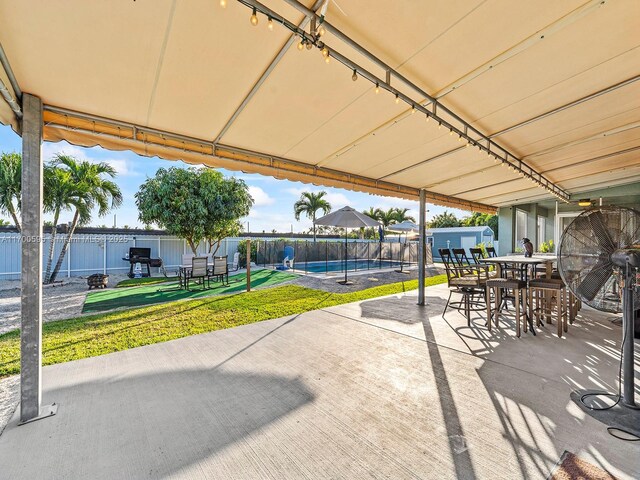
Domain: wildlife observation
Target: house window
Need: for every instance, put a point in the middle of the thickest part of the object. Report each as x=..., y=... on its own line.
x=521, y=228
x=542, y=230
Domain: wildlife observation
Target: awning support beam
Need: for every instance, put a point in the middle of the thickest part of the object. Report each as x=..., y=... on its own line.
x=137, y=138
x=422, y=249
x=31, y=273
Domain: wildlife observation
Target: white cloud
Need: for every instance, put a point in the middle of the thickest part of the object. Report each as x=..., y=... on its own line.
x=121, y=166
x=260, y=197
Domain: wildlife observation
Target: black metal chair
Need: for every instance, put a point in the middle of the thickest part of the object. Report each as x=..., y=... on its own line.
x=466, y=280
x=491, y=251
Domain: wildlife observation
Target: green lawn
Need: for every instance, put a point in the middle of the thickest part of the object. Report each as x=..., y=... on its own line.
x=103, y=300
x=136, y=282
x=83, y=337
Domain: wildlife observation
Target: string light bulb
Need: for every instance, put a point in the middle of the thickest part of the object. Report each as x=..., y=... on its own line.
x=451, y=131
x=223, y=3
x=377, y=89
x=270, y=24
x=321, y=31
x=354, y=77
x=428, y=117
x=309, y=45
x=301, y=45
x=254, y=18
x=325, y=52
x=327, y=59
x=413, y=109
x=397, y=99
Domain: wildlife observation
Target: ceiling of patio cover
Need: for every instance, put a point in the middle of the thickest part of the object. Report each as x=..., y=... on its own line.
x=185, y=67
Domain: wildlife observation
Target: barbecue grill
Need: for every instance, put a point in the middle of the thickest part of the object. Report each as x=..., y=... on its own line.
x=142, y=256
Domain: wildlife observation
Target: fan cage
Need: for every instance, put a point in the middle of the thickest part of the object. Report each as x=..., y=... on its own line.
x=584, y=255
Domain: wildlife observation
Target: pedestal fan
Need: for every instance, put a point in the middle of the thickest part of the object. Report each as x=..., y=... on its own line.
x=598, y=259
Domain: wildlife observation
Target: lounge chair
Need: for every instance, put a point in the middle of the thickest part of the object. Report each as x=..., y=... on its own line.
x=199, y=270
x=289, y=257
x=235, y=265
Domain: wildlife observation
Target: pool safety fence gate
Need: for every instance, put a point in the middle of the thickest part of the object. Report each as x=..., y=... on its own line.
x=332, y=256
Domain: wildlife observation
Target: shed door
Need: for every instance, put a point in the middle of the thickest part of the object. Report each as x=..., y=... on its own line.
x=467, y=243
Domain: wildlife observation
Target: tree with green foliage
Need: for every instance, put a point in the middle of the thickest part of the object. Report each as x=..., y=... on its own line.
x=477, y=219
x=195, y=204
x=62, y=193
x=444, y=220
x=4, y=223
x=400, y=215
x=386, y=217
x=309, y=203
x=96, y=189
x=11, y=185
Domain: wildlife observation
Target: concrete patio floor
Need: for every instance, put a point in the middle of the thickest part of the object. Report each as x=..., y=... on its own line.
x=376, y=389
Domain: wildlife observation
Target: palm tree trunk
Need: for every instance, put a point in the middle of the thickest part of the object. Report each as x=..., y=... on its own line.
x=314, y=226
x=13, y=214
x=54, y=231
x=65, y=246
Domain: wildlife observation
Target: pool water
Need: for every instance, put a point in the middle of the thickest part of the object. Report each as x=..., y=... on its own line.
x=338, y=265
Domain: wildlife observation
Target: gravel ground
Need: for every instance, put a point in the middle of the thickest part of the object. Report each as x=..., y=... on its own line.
x=361, y=281
x=63, y=300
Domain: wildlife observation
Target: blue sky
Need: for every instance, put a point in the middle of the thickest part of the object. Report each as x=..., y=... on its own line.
x=274, y=198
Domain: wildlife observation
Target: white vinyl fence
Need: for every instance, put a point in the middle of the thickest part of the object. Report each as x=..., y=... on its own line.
x=101, y=253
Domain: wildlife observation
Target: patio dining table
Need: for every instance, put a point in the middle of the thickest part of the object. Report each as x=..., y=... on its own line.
x=517, y=262
x=503, y=262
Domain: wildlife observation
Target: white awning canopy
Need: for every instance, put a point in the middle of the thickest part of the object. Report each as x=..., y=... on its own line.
x=550, y=87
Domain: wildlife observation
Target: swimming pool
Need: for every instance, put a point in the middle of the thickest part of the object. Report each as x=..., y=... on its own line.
x=338, y=265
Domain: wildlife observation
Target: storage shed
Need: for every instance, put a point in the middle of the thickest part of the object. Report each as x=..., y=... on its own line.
x=458, y=237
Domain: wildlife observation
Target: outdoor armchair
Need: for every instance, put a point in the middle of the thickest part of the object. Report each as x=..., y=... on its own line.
x=199, y=270
x=220, y=269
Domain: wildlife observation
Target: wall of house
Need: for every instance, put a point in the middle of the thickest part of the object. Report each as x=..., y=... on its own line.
x=624, y=195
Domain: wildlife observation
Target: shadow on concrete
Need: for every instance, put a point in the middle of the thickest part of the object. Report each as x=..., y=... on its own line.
x=153, y=424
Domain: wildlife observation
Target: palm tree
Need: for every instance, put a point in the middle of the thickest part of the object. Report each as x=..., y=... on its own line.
x=61, y=193
x=373, y=213
x=386, y=217
x=10, y=185
x=309, y=203
x=400, y=215
x=96, y=192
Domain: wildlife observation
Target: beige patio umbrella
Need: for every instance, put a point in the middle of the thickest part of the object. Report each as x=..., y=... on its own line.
x=346, y=218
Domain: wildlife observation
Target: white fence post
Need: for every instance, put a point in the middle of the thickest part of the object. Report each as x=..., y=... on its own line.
x=69, y=259
x=104, y=256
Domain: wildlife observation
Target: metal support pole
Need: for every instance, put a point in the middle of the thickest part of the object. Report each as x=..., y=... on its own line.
x=422, y=253
x=628, y=388
x=248, y=264
x=31, y=301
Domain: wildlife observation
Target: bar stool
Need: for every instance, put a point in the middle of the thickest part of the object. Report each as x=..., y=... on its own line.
x=574, y=303
x=497, y=284
x=543, y=292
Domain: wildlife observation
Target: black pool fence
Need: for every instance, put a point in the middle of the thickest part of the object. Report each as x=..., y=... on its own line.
x=329, y=256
